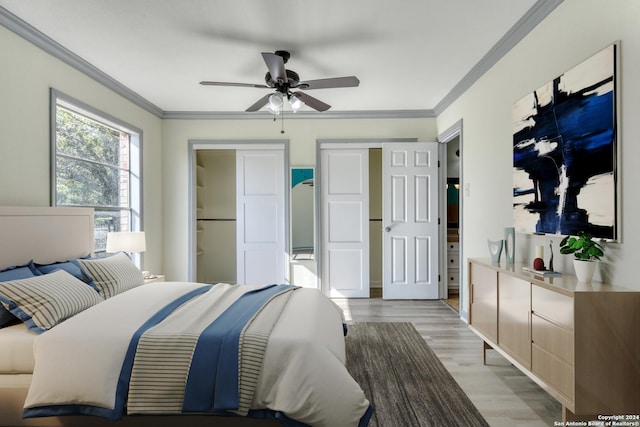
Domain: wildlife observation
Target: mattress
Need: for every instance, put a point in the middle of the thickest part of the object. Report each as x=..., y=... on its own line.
x=16, y=349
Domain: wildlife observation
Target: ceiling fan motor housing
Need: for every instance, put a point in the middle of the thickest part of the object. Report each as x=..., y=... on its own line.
x=293, y=80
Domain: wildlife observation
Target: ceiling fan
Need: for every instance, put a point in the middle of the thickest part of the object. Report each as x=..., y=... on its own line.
x=283, y=81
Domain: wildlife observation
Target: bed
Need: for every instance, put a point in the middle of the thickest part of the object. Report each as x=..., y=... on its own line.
x=104, y=348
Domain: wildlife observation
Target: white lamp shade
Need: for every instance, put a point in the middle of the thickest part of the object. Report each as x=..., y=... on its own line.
x=126, y=241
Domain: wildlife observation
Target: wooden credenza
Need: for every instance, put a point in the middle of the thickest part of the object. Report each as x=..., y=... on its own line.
x=580, y=342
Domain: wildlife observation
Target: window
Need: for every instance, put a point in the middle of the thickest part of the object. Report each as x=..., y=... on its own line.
x=96, y=163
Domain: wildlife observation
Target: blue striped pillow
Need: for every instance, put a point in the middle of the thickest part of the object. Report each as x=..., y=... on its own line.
x=68, y=266
x=42, y=302
x=112, y=275
x=14, y=273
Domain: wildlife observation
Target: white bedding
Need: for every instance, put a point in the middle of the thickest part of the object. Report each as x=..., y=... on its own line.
x=304, y=375
x=16, y=349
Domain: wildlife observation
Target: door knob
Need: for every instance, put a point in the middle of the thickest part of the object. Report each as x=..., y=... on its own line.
x=387, y=229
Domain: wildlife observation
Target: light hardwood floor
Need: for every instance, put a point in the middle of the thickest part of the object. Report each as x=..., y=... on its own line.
x=503, y=395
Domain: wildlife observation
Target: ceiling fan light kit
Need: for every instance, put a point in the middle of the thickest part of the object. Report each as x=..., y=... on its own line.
x=295, y=102
x=283, y=81
x=276, y=101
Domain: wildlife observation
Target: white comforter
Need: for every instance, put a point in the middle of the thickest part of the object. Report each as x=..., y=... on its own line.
x=79, y=361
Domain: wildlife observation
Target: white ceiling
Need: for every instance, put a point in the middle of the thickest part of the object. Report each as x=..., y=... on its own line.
x=408, y=55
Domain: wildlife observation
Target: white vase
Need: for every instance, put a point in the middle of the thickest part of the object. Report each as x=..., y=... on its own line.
x=584, y=270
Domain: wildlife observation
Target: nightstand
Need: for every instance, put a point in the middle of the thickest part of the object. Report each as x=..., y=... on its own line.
x=154, y=278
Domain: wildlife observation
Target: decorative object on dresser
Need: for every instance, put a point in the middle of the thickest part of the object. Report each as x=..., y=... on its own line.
x=538, y=268
x=509, y=244
x=578, y=341
x=495, y=249
x=586, y=252
x=538, y=261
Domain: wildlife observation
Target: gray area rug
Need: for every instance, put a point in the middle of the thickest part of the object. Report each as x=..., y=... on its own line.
x=404, y=379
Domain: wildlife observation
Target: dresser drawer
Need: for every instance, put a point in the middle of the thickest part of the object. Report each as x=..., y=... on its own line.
x=553, y=371
x=552, y=305
x=552, y=338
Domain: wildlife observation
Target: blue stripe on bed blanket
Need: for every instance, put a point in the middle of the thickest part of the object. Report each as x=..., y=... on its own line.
x=127, y=365
x=212, y=385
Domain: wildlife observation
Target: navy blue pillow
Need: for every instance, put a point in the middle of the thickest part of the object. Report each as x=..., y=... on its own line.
x=15, y=273
x=68, y=266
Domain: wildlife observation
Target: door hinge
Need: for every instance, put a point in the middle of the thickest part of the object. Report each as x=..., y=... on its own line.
x=439, y=278
x=438, y=221
x=438, y=163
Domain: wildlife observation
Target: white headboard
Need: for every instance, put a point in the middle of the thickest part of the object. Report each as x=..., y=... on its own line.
x=44, y=234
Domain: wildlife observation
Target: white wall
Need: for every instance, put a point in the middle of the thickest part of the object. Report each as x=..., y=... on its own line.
x=26, y=75
x=302, y=135
x=576, y=30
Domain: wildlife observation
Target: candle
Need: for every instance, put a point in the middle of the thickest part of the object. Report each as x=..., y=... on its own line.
x=539, y=251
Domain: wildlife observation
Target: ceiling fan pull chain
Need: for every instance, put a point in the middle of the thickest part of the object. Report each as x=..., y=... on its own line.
x=282, y=129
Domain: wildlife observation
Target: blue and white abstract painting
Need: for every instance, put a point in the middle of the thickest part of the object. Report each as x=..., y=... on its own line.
x=564, y=152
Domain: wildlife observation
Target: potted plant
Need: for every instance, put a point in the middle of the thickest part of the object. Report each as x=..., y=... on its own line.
x=585, y=251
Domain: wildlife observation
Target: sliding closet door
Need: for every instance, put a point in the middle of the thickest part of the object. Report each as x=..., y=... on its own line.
x=345, y=222
x=260, y=205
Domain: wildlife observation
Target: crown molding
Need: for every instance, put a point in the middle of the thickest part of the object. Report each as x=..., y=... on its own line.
x=308, y=115
x=536, y=14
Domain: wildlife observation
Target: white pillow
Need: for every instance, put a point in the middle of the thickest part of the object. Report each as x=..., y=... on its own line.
x=112, y=275
x=42, y=302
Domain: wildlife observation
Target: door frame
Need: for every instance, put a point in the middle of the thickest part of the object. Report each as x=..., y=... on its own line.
x=338, y=143
x=448, y=135
x=230, y=144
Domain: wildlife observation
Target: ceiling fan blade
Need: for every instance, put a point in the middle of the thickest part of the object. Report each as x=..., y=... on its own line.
x=206, y=83
x=275, y=64
x=312, y=102
x=259, y=103
x=350, y=81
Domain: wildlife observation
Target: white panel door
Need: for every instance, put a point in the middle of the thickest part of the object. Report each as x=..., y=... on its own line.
x=260, y=216
x=345, y=222
x=410, y=219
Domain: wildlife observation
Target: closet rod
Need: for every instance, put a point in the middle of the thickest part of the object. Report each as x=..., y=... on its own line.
x=216, y=219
